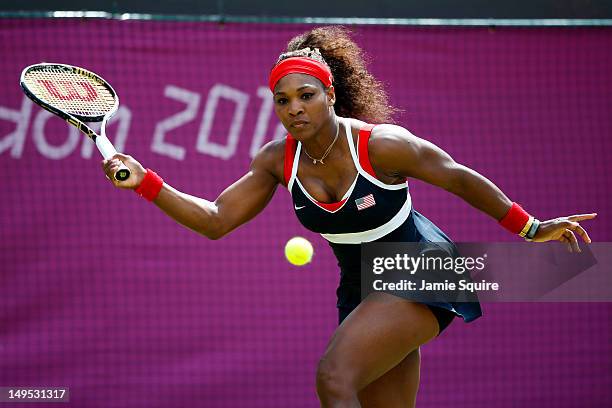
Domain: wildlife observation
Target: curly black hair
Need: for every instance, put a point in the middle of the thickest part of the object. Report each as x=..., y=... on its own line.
x=358, y=94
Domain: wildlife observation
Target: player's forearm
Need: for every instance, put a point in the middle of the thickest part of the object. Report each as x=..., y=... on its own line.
x=480, y=192
x=195, y=213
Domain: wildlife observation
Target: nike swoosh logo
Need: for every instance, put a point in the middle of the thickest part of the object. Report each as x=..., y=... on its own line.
x=298, y=208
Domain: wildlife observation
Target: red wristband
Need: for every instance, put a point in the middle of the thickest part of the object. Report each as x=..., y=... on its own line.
x=515, y=219
x=150, y=186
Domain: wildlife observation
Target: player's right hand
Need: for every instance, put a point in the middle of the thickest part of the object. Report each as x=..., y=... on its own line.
x=111, y=166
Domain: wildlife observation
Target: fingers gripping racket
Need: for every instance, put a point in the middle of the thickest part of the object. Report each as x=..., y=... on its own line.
x=77, y=96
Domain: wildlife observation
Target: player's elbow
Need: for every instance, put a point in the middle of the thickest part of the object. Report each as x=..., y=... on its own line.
x=215, y=237
x=216, y=234
x=211, y=227
x=213, y=231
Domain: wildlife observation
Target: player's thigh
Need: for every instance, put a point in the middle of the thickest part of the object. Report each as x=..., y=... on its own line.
x=376, y=337
x=397, y=388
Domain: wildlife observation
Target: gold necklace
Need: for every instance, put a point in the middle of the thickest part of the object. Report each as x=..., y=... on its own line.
x=314, y=161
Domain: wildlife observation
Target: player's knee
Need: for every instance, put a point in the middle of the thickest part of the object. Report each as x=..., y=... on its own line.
x=333, y=382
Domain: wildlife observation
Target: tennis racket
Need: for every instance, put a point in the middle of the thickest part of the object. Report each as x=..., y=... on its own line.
x=77, y=96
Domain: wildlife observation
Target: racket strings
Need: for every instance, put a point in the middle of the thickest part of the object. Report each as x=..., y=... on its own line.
x=70, y=92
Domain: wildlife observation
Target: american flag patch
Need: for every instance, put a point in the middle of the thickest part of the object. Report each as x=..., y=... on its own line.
x=365, y=202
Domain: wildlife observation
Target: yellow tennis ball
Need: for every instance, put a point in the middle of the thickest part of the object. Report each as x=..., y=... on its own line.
x=298, y=251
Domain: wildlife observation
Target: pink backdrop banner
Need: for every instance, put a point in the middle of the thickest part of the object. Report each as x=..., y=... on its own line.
x=103, y=294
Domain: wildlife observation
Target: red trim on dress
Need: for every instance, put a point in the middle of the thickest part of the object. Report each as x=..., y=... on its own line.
x=290, y=147
x=331, y=206
x=362, y=149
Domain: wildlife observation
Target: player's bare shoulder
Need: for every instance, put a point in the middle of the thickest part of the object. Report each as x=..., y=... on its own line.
x=389, y=144
x=387, y=134
x=270, y=158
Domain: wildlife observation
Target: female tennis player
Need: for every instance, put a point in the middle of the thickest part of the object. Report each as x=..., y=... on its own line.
x=347, y=179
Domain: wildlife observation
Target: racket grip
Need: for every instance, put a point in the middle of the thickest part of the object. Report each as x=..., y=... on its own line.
x=108, y=150
x=105, y=147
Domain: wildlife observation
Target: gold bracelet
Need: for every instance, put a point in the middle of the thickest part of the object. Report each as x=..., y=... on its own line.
x=526, y=227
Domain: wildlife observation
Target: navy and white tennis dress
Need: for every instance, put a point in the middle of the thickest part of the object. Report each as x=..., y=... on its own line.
x=369, y=211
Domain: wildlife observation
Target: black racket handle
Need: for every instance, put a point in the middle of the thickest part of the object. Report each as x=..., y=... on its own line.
x=122, y=174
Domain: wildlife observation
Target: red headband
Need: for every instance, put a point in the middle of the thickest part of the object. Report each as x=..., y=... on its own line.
x=300, y=65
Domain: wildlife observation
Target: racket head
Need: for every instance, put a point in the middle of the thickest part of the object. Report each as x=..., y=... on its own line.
x=69, y=91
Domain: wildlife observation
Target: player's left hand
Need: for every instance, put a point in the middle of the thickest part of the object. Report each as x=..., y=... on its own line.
x=564, y=229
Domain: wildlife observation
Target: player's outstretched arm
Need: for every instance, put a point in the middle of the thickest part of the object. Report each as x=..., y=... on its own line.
x=236, y=205
x=394, y=151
